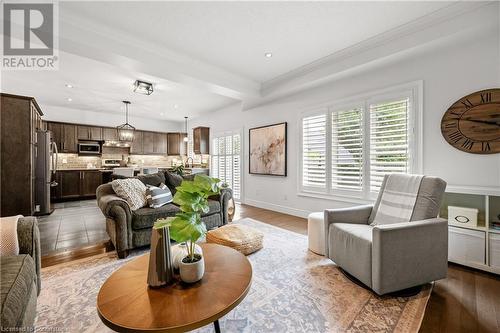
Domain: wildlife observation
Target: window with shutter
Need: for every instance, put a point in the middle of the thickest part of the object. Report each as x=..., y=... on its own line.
x=389, y=148
x=347, y=149
x=314, y=152
x=226, y=161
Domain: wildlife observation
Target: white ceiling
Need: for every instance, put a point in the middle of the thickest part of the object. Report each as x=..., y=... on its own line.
x=230, y=36
x=101, y=87
x=235, y=35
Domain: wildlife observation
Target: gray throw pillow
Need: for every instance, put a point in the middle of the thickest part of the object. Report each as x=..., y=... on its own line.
x=158, y=196
x=173, y=180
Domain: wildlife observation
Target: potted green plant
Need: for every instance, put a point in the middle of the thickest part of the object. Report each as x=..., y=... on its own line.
x=178, y=169
x=186, y=226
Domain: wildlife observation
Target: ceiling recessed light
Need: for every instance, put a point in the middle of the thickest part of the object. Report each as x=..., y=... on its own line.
x=162, y=114
x=176, y=106
x=68, y=85
x=268, y=54
x=69, y=99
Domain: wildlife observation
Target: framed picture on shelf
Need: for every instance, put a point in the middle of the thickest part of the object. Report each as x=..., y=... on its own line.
x=268, y=149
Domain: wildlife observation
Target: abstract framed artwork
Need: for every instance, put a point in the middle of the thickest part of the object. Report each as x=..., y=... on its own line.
x=268, y=150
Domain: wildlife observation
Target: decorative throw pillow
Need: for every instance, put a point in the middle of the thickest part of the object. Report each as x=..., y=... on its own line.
x=158, y=196
x=132, y=190
x=9, y=243
x=173, y=180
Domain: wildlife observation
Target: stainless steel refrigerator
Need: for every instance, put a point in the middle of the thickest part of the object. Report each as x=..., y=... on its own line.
x=46, y=166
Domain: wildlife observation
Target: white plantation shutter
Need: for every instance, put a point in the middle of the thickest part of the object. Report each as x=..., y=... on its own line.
x=314, y=151
x=226, y=161
x=347, y=150
x=388, y=140
x=236, y=166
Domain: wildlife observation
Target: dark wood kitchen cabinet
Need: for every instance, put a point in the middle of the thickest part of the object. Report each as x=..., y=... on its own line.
x=176, y=145
x=19, y=116
x=69, y=184
x=91, y=179
x=160, y=143
x=65, y=136
x=201, y=140
x=136, y=145
x=89, y=133
x=76, y=184
x=148, y=139
x=109, y=134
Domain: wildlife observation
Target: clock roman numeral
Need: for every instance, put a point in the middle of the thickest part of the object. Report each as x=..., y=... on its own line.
x=468, y=143
x=485, y=146
x=455, y=136
x=486, y=97
x=467, y=103
x=450, y=125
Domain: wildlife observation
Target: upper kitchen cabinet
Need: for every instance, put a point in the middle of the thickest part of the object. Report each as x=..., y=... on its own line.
x=148, y=139
x=57, y=130
x=175, y=144
x=64, y=135
x=136, y=145
x=68, y=139
x=109, y=134
x=89, y=133
x=160, y=143
x=201, y=140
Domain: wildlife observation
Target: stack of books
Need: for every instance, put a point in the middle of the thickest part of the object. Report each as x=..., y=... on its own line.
x=495, y=225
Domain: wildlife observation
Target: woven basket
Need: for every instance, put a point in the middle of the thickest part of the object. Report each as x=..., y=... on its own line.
x=239, y=237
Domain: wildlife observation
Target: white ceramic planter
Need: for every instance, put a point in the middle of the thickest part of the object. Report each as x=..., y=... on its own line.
x=192, y=272
x=179, y=251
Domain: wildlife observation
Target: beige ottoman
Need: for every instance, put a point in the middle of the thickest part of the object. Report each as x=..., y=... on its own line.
x=316, y=232
x=237, y=236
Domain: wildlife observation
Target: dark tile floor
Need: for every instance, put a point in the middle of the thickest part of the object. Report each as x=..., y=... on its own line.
x=72, y=224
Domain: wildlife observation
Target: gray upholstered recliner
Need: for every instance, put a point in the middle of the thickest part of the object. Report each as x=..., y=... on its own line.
x=391, y=257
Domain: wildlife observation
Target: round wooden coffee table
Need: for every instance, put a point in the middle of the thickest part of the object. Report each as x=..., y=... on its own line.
x=126, y=304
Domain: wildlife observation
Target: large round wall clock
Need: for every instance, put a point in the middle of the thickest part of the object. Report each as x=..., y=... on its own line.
x=472, y=124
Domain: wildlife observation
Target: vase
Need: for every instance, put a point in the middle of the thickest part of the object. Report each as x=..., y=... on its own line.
x=179, y=251
x=192, y=272
x=160, y=271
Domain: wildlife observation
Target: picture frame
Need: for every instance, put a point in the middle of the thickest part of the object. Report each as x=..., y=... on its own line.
x=268, y=150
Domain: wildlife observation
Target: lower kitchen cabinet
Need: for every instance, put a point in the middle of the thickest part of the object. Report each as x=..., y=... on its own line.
x=76, y=184
x=89, y=183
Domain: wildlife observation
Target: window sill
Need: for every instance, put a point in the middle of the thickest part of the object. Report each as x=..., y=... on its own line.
x=341, y=198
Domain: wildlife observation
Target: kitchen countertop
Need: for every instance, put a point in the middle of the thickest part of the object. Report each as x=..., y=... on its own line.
x=135, y=168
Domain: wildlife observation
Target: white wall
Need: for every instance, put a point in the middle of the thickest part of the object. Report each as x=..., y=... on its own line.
x=449, y=71
x=55, y=113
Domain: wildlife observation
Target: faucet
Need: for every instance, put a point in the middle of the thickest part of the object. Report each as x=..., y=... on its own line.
x=186, y=164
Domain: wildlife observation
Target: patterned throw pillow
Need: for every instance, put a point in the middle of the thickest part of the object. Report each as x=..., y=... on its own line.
x=158, y=196
x=132, y=190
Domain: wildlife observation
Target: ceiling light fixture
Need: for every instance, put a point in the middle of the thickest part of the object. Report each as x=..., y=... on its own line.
x=68, y=85
x=143, y=87
x=268, y=54
x=176, y=106
x=186, y=129
x=126, y=131
x=69, y=99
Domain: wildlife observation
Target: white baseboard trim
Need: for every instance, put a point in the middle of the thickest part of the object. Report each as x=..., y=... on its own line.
x=278, y=208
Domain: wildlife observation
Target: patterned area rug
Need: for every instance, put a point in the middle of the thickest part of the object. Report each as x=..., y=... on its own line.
x=293, y=290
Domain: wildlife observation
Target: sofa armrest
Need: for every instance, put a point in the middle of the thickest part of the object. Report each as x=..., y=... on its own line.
x=28, y=236
x=356, y=215
x=409, y=254
x=118, y=210
x=223, y=198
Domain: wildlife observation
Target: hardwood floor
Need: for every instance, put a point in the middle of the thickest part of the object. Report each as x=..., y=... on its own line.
x=467, y=301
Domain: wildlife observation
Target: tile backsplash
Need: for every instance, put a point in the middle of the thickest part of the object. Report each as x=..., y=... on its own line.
x=73, y=161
